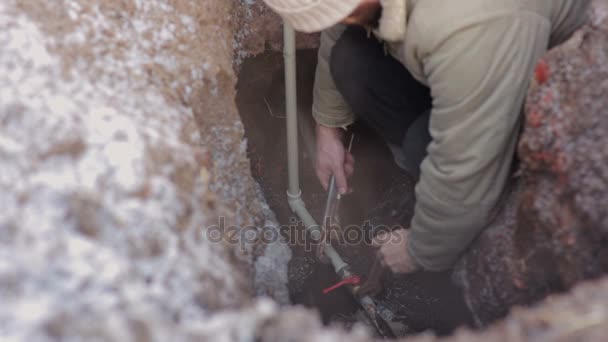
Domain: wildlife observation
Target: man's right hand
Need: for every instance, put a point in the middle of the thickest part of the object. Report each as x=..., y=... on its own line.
x=332, y=158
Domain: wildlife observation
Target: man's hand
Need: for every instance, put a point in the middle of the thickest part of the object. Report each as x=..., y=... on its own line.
x=376, y=279
x=394, y=253
x=333, y=159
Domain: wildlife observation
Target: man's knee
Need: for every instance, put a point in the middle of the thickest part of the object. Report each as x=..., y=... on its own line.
x=350, y=62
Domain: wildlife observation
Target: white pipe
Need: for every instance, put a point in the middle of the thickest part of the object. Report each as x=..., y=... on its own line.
x=298, y=206
x=294, y=193
x=291, y=108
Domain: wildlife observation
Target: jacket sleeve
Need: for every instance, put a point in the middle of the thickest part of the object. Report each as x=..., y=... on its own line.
x=329, y=108
x=479, y=76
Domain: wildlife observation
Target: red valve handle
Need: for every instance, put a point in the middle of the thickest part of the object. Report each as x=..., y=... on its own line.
x=354, y=280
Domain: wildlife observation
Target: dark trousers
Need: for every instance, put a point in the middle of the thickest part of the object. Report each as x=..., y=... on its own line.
x=382, y=93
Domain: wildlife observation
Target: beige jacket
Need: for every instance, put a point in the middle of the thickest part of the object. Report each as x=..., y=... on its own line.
x=478, y=57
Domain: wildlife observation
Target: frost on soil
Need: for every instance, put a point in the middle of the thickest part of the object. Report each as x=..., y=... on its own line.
x=107, y=185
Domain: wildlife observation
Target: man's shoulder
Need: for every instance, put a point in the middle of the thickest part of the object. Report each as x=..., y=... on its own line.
x=433, y=21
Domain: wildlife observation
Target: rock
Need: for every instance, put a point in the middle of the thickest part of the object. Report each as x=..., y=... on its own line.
x=564, y=162
x=490, y=272
x=552, y=232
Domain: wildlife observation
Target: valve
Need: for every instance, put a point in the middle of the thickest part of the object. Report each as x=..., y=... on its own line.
x=354, y=280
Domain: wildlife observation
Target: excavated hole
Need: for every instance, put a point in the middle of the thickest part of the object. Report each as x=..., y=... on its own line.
x=425, y=301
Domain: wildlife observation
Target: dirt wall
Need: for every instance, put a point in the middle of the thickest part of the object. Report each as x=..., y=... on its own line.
x=109, y=183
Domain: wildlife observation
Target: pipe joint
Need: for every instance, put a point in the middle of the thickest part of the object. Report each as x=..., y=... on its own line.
x=295, y=201
x=291, y=196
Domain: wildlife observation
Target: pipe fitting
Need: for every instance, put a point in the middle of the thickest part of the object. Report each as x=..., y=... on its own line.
x=298, y=207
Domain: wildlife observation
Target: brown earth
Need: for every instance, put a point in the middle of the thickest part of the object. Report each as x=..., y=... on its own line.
x=121, y=148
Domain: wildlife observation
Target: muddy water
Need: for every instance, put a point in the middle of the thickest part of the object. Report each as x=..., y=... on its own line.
x=421, y=301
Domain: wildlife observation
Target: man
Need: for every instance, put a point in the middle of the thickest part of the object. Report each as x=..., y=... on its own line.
x=442, y=77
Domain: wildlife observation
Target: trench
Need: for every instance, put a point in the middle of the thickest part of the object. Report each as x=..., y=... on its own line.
x=420, y=302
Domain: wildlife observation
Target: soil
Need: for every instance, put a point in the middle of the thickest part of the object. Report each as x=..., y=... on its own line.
x=422, y=301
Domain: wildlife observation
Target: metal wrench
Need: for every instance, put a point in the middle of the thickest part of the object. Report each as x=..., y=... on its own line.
x=330, y=216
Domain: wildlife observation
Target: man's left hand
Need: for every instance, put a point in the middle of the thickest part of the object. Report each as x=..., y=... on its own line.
x=394, y=253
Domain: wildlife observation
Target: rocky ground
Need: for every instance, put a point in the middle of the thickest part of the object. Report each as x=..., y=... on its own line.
x=121, y=149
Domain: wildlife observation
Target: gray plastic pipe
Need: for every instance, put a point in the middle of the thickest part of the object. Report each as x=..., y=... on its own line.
x=291, y=103
x=294, y=193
